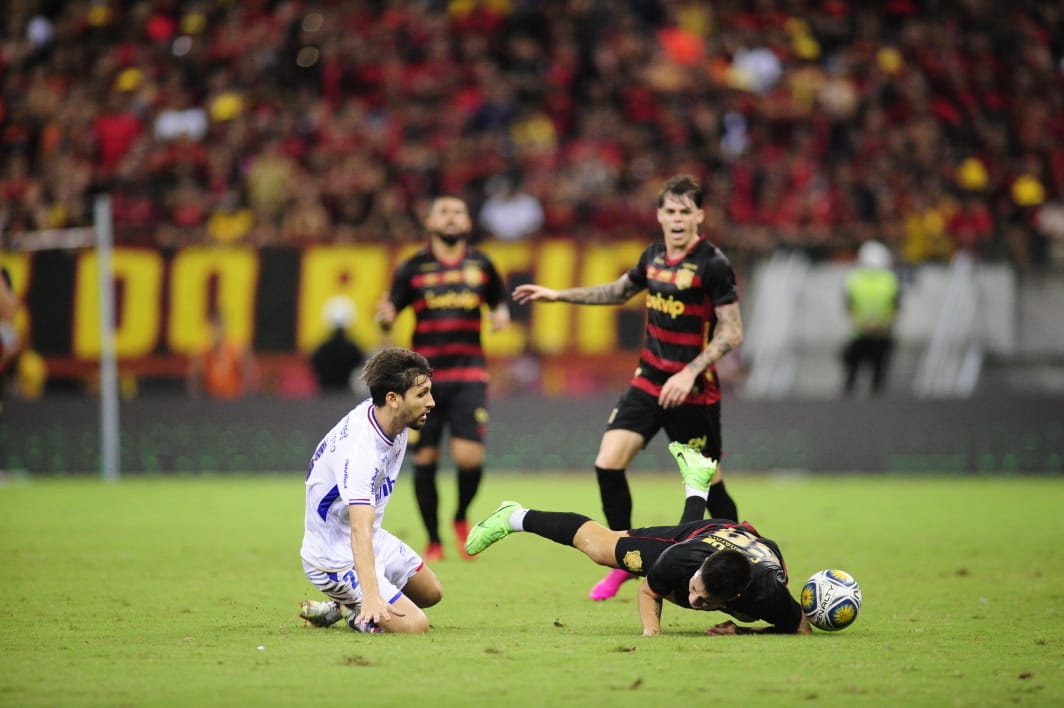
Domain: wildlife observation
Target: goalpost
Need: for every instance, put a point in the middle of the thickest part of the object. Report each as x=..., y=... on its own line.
x=110, y=452
x=101, y=236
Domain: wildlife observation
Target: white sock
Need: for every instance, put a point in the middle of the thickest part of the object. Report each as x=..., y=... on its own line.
x=517, y=519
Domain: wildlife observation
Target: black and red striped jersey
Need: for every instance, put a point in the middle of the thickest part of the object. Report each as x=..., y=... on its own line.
x=447, y=299
x=765, y=598
x=681, y=297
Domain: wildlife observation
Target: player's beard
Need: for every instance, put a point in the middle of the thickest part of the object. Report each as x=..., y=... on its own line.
x=452, y=239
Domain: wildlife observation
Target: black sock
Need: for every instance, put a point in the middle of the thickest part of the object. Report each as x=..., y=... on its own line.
x=468, y=483
x=616, y=498
x=720, y=503
x=427, y=499
x=557, y=526
x=694, y=509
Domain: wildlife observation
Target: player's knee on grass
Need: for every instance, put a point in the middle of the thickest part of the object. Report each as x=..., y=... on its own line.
x=411, y=621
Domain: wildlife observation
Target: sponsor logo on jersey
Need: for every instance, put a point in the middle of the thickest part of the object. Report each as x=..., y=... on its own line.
x=670, y=305
x=462, y=299
x=382, y=485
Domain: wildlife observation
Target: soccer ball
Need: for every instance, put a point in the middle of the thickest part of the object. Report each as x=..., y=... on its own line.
x=831, y=600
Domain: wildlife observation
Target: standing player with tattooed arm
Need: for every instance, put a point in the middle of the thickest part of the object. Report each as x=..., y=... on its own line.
x=448, y=284
x=693, y=320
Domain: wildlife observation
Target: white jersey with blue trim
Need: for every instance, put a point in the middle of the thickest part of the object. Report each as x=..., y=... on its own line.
x=356, y=463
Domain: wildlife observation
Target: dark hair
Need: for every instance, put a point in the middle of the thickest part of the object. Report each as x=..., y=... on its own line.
x=393, y=369
x=681, y=186
x=726, y=574
x=447, y=195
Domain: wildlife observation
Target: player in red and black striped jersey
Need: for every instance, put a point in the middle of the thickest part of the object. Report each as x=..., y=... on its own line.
x=700, y=564
x=693, y=320
x=448, y=284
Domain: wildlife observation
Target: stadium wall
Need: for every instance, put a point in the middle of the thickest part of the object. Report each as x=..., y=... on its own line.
x=1000, y=434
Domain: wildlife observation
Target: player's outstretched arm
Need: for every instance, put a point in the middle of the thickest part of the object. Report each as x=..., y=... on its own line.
x=729, y=628
x=530, y=292
x=649, y=610
x=615, y=293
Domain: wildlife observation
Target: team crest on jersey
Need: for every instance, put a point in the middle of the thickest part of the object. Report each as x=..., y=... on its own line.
x=472, y=275
x=684, y=278
x=633, y=561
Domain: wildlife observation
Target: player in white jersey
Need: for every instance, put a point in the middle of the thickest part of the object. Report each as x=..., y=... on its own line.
x=370, y=576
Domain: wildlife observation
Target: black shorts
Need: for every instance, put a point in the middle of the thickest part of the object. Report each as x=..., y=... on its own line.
x=461, y=407
x=639, y=550
x=696, y=425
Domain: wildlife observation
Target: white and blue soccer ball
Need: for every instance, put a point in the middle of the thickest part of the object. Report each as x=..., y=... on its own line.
x=831, y=599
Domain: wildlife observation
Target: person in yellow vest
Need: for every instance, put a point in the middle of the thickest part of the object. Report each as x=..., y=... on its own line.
x=872, y=300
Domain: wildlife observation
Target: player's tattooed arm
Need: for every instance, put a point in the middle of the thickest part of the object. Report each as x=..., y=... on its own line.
x=727, y=335
x=615, y=293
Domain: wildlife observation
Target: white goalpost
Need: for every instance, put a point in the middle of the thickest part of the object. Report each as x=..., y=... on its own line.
x=100, y=236
x=110, y=452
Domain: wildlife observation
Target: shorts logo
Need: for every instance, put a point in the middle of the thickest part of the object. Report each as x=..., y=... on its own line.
x=699, y=443
x=633, y=561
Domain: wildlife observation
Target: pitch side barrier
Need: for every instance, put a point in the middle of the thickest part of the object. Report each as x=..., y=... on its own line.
x=998, y=434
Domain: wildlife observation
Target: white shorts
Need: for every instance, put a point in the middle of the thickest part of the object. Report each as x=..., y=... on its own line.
x=396, y=564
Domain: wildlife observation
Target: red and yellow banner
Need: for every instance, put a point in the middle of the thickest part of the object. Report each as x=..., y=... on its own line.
x=274, y=298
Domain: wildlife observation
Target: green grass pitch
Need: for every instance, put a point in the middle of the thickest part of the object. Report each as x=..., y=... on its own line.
x=184, y=591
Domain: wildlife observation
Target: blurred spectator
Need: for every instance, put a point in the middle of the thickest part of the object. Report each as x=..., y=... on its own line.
x=388, y=219
x=306, y=220
x=269, y=181
x=816, y=121
x=117, y=126
x=872, y=298
x=970, y=226
x=229, y=221
x=1050, y=224
x=1028, y=242
x=186, y=210
x=9, y=344
x=510, y=214
x=180, y=119
x=224, y=369
x=336, y=360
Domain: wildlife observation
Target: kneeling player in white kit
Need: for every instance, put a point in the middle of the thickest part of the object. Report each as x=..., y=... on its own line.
x=374, y=579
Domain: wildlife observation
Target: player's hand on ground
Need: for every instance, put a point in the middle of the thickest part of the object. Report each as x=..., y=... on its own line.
x=374, y=610
x=652, y=632
x=724, y=628
x=529, y=293
x=675, y=390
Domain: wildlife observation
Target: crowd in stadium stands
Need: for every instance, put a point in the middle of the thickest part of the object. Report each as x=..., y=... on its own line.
x=815, y=124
